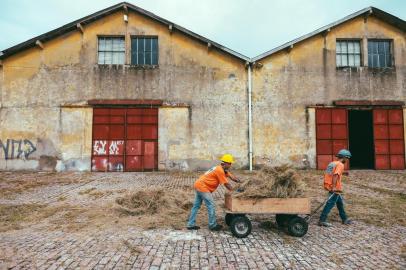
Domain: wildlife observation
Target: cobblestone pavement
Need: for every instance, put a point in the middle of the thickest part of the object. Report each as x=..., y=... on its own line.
x=361, y=246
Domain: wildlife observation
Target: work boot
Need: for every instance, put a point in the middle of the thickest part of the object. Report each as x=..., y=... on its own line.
x=217, y=228
x=193, y=227
x=325, y=224
x=348, y=222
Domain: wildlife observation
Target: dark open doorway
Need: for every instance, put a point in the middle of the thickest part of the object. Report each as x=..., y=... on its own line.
x=361, y=139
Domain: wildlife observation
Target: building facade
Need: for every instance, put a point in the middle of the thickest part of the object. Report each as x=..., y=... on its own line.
x=342, y=86
x=126, y=90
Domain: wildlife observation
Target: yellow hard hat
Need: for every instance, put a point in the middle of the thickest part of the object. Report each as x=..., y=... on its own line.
x=227, y=158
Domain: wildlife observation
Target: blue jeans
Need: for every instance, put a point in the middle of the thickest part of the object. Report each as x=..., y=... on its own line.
x=338, y=200
x=207, y=197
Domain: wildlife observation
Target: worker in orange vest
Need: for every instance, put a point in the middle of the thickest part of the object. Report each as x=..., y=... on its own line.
x=332, y=183
x=205, y=186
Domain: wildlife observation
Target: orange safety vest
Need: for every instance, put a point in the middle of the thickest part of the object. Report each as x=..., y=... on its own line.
x=333, y=168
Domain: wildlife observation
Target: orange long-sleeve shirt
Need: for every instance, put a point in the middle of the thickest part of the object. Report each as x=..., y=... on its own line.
x=209, y=181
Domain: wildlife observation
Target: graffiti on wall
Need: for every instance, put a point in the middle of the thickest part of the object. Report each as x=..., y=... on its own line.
x=17, y=149
x=114, y=147
x=108, y=155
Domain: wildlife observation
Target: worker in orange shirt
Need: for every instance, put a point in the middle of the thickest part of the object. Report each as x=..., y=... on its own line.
x=332, y=183
x=205, y=186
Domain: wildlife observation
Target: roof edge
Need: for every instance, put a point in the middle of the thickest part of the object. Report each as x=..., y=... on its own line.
x=391, y=19
x=104, y=12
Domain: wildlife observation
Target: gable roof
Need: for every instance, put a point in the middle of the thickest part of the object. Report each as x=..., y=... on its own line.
x=389, y=18
x=102, y=13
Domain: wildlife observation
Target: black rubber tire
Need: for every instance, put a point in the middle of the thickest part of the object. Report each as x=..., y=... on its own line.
x=298, y=227
x=283, y=219
x=240, y=226
x=228, y=218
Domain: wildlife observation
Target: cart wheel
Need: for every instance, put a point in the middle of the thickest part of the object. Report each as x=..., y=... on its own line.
x=228, y=218
x=283, y=219
x=240, y=226
x=298, y=227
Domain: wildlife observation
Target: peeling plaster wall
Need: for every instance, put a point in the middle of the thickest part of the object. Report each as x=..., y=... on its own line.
x=290, y=81
x=39, y=86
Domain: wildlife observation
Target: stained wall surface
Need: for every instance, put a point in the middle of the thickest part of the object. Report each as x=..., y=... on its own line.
x=46, y=123
x=293, y=80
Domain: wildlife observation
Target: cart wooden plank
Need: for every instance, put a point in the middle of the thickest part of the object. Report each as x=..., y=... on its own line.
x=267, y=205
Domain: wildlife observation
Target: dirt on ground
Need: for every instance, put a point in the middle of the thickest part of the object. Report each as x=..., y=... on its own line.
x=372, y=197
x=15, y=217
x=12, y=183
x=376, y=202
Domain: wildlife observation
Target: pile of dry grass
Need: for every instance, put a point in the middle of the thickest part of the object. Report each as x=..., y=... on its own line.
x=275, y=182
x=157, y=207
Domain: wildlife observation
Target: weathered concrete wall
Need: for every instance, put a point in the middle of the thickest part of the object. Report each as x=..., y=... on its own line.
x=290, y=81
x=39, y=85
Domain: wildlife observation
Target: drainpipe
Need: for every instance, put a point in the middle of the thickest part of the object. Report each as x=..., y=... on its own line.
x=250, y=116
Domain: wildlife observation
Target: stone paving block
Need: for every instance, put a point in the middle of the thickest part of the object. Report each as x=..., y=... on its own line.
x=361, y=246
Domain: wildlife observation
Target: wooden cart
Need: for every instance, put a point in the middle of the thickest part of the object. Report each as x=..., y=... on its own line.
x=287, y=213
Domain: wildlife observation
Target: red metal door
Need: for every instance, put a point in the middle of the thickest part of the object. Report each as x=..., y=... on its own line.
x=125, y=139
x=142, y=139
x=331, y=134
x=389, y=139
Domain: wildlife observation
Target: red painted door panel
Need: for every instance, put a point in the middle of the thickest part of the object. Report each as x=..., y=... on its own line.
x=395, y=117
x=117, y=119
x=381, y=132
x=101, y=131
x=149, y=132
x=134, y=119
x=396, y=132
x=101, y=111
x=339, y=132
x=149, y=162
x=323, y=161
x=381, y=147
x=397, y=162
x=323, y=131
x=338, y=145
x=323, y=116
x=331, y=134
x=134, y=147
x=134, y=131
x=101, y=119
x=99, y=164
x=116, y=164
x=149, y=148
x=389, y=139
x=396, y=147
x=380, y=116
x=117, y=132
x=324, y=147
x=134, y=163
x=339, y=116
x=125, y=139
x=382, y=162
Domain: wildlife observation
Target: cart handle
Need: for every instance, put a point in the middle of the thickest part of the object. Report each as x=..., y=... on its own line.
x=308, y=217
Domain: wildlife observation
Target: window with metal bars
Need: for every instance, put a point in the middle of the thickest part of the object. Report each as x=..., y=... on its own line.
x=111, y=51
x=379, y=53
x=348, y=53
x=144, y=51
